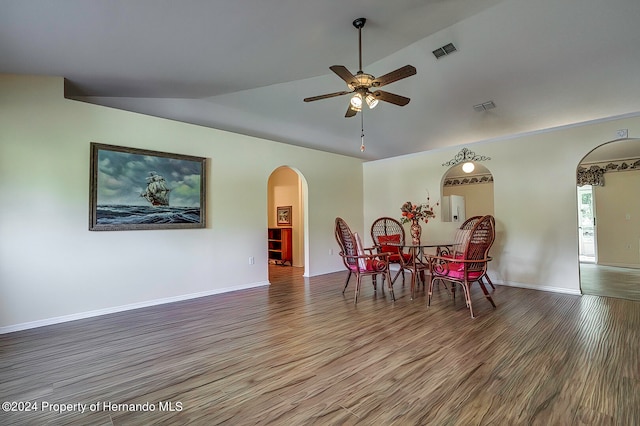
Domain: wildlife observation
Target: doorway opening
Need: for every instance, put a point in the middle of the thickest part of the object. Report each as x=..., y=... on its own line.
x=608, y=220
x=287, y=221
x=586, y=227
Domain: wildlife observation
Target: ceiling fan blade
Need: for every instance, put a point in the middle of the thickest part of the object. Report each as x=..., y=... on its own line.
x=328, y=95
x=391, y=98
x=350, y=112
x=399, y=74
x=344, y=74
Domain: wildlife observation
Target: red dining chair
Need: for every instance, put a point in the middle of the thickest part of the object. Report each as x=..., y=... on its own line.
x=462, y=236
x=388, y=235
x=358, y=262
x=470, y=265
x=460, y=241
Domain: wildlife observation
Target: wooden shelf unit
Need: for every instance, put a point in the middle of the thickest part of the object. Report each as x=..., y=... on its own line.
x=279, y=241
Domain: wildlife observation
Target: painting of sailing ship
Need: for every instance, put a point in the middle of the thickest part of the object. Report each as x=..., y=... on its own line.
x=141, y=189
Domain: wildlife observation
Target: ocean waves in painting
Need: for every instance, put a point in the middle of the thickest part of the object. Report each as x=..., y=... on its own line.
x=129, y=215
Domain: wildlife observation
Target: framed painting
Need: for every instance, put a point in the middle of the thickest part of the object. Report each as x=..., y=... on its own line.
x=283, y=214
x=140, y=189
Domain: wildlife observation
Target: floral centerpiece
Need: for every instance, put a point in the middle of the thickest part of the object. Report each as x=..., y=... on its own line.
x=413, y=213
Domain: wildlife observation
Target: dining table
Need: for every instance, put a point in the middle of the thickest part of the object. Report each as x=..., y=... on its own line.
x=418, y=260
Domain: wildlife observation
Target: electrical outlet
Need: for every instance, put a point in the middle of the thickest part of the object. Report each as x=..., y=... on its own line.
x=622, y=133
x=251, y=260
x=330, y=252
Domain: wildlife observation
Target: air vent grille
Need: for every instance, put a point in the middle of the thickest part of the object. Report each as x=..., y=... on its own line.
x=484, y=106
x=444, y=50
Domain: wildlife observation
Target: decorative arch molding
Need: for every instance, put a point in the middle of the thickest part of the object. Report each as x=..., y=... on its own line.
x=457, y=181
x=465, y=155
x=594, y=175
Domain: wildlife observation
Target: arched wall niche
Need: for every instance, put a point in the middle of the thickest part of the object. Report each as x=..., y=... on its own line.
x=466, y=194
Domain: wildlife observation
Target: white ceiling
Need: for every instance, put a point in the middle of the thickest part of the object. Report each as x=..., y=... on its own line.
x=245, y=66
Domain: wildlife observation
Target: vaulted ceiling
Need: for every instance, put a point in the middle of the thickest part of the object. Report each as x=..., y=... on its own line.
x=245, y=66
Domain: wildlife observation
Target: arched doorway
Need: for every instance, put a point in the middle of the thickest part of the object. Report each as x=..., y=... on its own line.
x=466, y=193
x=608, y=209
x=287, y=210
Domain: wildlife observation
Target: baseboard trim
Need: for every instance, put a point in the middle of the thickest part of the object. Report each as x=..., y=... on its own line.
x=619, y=265
x=132, y=306
x=541, y=288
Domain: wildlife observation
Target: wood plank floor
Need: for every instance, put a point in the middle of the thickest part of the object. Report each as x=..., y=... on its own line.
x=610, y=281
x=299, y=352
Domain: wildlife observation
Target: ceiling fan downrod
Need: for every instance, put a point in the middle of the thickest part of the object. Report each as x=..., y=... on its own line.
x=359, y=23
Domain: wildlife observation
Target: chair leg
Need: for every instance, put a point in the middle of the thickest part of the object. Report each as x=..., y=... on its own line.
x=390, y=284
x=396, y=276
x=486, y=293
x=467, y=296
x=374, y=281
x=489, y=281
x=430, y=292
x=346, y=283
x=413, y=284
x=358, y=280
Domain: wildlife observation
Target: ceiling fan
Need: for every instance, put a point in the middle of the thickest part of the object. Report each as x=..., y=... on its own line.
x=360, y=83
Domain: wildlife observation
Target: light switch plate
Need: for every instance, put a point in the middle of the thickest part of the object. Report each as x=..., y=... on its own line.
x=622, y=133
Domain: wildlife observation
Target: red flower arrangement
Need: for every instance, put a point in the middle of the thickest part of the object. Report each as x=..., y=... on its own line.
x=411, y=212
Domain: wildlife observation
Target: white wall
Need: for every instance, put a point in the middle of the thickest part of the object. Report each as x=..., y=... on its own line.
x=534, y=199
x=53, y=269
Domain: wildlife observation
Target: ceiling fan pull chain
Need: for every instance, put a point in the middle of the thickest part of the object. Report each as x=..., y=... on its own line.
x=362, y=131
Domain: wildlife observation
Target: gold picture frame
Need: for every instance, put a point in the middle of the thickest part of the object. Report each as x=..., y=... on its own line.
x=283, y=216
x=133, y=189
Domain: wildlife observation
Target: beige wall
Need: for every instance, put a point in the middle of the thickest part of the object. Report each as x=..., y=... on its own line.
x=53, y=269
x=535, y=201
x=478, y=198
x=617, y=211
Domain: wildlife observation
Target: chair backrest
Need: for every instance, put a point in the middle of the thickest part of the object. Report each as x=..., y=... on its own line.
x=462, y=235
x=386, y=227
x=346, y=241
x=480, y=241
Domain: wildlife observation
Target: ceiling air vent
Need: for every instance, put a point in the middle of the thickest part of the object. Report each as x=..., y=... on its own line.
x=444, y=50
x=484, y=106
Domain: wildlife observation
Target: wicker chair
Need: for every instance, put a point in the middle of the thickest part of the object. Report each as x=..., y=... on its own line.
x=359, y=263
x=385, y=231
x=462, y=235
x=470, y=265
x=460, y=241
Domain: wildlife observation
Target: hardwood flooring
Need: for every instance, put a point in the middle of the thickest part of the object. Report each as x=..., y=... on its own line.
x=299, y=352
x=610, y=281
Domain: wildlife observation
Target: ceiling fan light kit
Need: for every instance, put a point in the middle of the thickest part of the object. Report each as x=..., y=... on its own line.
x=356, y=101
x=360, y=83
x=371, y=101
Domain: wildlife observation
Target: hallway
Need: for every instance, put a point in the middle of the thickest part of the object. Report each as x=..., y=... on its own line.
x=610, y=281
